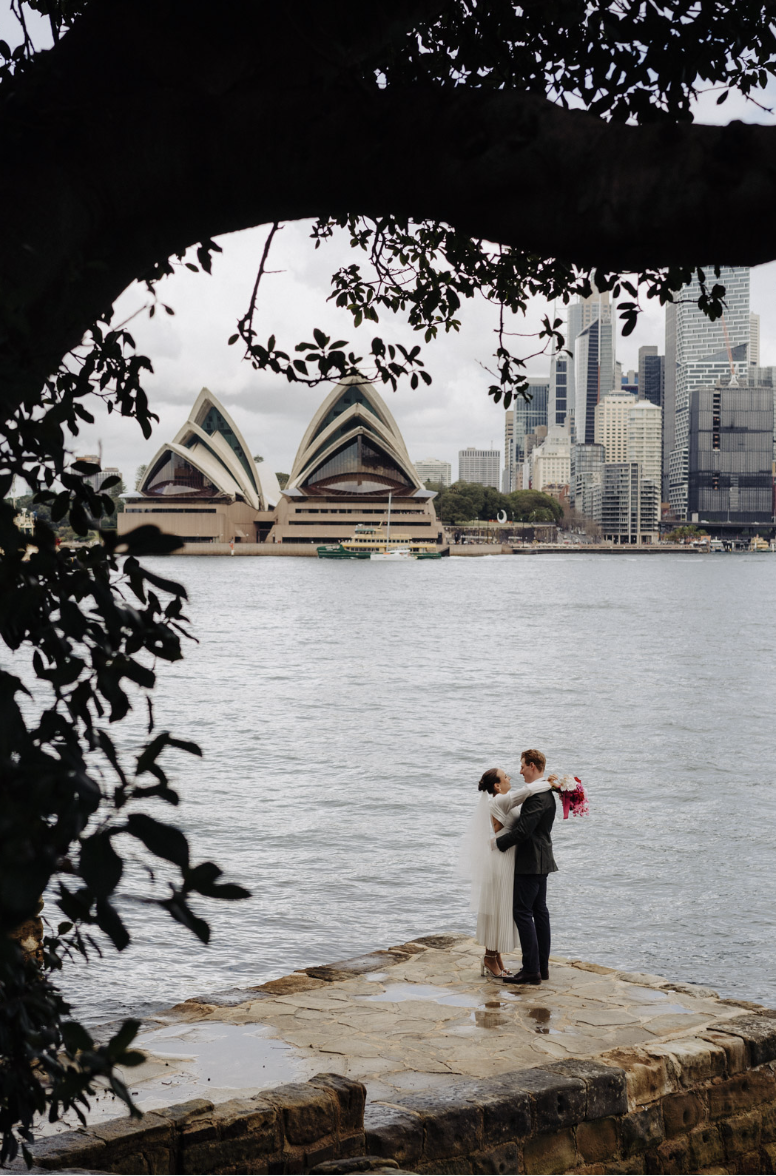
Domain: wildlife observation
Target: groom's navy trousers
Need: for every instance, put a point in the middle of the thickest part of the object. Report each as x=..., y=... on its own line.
x=532, y=920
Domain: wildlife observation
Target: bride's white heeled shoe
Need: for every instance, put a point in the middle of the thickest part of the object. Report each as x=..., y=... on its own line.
x=486, y=972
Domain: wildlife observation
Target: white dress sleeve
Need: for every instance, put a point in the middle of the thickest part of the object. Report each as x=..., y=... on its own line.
x=516, y=796
x=499, y=808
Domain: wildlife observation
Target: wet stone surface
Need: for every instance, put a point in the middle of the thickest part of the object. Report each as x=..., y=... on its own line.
x=421, y=1022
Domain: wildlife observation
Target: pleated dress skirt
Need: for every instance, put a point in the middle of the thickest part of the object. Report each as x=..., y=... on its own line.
x=496, y=929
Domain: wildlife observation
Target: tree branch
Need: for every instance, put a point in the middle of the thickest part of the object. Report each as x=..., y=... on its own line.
x=149, y=128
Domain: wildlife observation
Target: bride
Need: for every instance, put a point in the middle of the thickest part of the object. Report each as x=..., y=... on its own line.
x=492, y=873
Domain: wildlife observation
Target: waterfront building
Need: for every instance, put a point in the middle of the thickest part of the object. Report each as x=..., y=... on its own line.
x=431, y=469
x=205, y=487
x=587, y=465
x=594, y=372
x=551, y=461
x=481, y=466
x=610, y=418
x=351, y=458
x=630, y=506
x=698, y=354
x=730, y=446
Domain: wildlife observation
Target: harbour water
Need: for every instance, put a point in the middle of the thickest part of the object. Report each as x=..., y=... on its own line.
x=347, y=709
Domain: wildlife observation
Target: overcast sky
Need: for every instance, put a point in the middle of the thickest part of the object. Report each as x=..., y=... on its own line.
x=189, y=351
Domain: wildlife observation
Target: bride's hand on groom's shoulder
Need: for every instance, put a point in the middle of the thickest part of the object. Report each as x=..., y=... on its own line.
x=554, y=782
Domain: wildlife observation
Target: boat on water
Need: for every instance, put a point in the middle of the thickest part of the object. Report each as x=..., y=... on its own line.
x=377, y=542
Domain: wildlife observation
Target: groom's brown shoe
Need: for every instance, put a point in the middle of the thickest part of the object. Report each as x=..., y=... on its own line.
x=523, y=977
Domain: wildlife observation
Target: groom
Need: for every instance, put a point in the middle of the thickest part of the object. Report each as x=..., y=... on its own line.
x=533, y=862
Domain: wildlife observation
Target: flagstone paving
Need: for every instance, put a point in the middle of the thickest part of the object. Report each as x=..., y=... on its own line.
x=414, y=1017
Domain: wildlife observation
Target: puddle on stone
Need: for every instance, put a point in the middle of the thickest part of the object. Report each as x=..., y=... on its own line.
x=443, y=996
x=375, y=976
x=217, y=1054
x=542, y=1019
x=489, y=1018
x=214, y=1059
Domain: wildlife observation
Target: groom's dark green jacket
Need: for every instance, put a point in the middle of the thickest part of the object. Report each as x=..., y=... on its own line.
x=531, y=835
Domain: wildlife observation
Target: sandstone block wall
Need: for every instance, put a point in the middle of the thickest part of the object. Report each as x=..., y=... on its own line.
x=702, y=1104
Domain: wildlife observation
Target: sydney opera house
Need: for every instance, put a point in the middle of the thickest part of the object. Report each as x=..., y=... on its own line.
x=205, y=487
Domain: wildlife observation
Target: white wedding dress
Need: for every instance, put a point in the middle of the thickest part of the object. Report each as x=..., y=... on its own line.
x=492, y=872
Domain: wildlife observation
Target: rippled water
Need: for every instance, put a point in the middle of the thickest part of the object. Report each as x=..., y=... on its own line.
x=346, y=712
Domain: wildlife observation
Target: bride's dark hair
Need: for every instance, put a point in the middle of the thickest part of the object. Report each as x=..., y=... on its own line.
x=488, y=780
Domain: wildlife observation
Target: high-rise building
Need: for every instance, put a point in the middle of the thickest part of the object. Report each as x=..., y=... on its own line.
x=508, y=475
x=629, y=505
x=730, y=446
x=766, y=377
x=551, y=461
x=587, y=468
x=754, y=340
x=479, y=465
x=651, y=375
x=645, y=436
x=530, y=414
x=699, y=352
x=594, y=373
x=561, y=388
x=611, y=424
x=431, y=469
x=562, y=397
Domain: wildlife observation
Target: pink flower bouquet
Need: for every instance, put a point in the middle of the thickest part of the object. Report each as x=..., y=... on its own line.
x=572, y=796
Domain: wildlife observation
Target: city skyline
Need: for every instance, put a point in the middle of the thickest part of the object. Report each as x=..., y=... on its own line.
x=190, y=350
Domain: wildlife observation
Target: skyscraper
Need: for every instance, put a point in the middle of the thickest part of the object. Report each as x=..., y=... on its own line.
x=594, y=365
x=754, y=340
x=508, y=476
x=651, y=375
x=561, y=387
x=730, y=452
x=563, y=379
x=698, y=354
x=644, y=429
x=530, y=414
x=611, y=424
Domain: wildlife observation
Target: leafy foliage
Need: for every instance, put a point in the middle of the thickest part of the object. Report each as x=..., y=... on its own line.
x=465, y=501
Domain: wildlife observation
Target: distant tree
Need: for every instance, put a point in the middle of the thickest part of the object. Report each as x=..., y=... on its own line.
x=258, y=458
x=139, y=475
x=531, y=506
x=282, y=480
x=683, y=534
x=454, y=507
